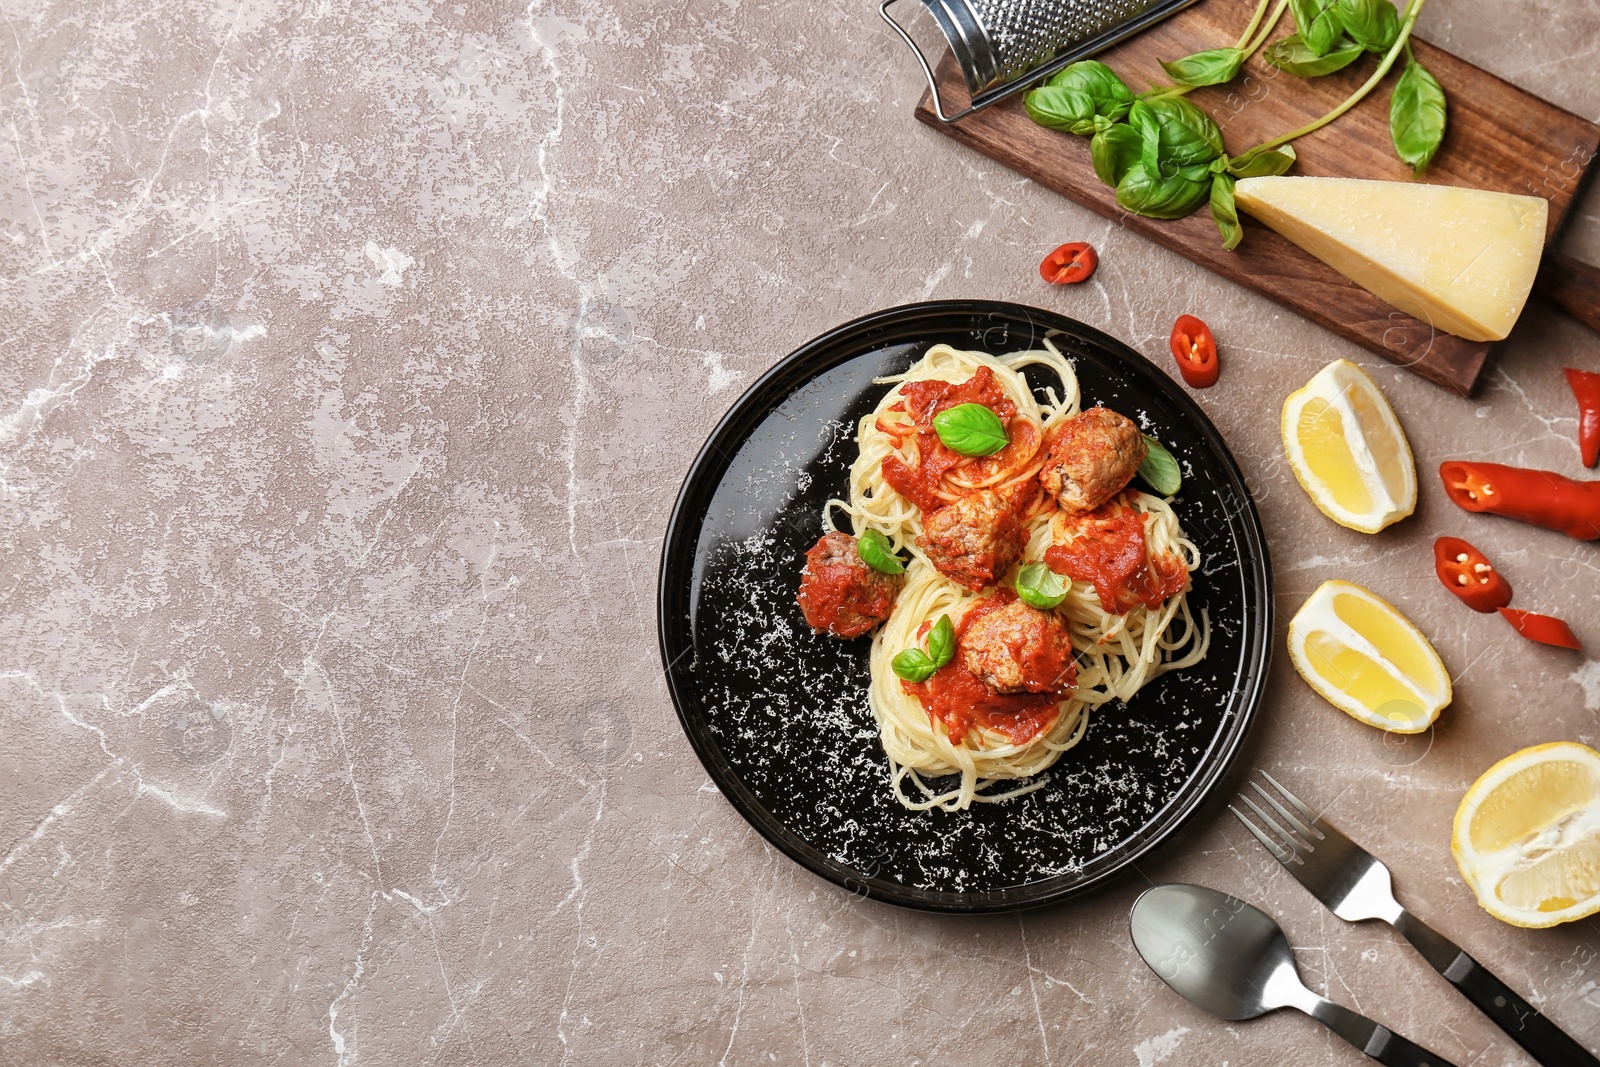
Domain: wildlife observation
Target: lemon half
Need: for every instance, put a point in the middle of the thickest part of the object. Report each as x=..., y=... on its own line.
x=1527, y=835
x=1366, y=659
x=1347, y=449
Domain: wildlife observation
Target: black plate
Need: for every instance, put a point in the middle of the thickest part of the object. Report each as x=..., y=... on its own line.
x=779, y=716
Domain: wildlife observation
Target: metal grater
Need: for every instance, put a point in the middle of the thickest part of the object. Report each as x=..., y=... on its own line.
x=1004, y=46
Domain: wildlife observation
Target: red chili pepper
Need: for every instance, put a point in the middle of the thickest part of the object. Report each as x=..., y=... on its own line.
x=1196, y=352
x=1070, y=263
x=1543, y=498
x=1468, y=574
x=1545, y=629
x=1586, y=387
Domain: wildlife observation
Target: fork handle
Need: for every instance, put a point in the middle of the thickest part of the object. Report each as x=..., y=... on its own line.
x=1547, y=1043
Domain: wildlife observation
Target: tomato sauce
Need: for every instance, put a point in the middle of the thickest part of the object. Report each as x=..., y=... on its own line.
x=925, y=399
x=957, y=699
x=1112, y=554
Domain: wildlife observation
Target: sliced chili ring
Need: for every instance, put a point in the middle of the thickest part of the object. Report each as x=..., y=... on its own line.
x=1545, y=629
x=1196, y=352
x=1468, y=574
x=1072, y=262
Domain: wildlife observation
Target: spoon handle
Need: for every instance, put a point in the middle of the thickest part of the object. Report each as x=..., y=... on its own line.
x=1379, y=1042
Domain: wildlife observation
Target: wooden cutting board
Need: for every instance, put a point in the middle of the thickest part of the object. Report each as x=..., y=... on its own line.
x=1498, y=137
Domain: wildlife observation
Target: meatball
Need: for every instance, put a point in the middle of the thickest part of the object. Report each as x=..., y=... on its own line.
x=839, y=593
x=1093, y=455
x=975, y=539
x=1019, y=649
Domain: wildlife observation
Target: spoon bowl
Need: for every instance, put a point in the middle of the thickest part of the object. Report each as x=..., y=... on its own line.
x=1232, y=959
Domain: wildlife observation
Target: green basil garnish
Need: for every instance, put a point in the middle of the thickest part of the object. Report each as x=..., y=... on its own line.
x=1291, y=54
x=1417, y=116
x=1113, y=151
x=1224, y=213
x=942, y=642
x=914, y=665
x=971, y=430
x=1160, y=469
x=1373, y=24
x=1058, y=108
x=1082, y=98
x=1041, y=587
x=1205, y=68
x=876, y=552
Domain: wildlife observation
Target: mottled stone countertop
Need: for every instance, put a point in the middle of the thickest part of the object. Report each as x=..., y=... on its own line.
x=351, y=356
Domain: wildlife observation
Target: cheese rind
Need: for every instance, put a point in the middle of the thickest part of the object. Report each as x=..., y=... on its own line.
x=1462, y=260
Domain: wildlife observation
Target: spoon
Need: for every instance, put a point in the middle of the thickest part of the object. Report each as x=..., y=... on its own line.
x=1232, y=960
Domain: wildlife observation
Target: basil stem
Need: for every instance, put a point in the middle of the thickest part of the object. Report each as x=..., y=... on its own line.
x=971, y=430
x=1416, y=115
x=1040, y=587
x=1159, y=469
x=876, y=552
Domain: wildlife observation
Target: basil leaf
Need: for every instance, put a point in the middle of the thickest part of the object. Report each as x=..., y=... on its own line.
x=1417, y=116
x=1111, y=96
x=1059, y=108
x=1144, y=191
x=1224, y=212
x=913, y=665
x=1318, y=24
x=941, y=642
x=1159, y=469
x=1205, y=68
x=1373, y=24
x=1113, y=151
x=1293, y=55
x=1272, y=162
x=876, y=552
x=1040, y=587
x=971, y=430
x=1175, y=133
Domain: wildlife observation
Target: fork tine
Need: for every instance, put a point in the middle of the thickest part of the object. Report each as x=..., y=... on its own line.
x=1277, y=850
x=1289, y=840
x=1311, y=816
x=1305, y=831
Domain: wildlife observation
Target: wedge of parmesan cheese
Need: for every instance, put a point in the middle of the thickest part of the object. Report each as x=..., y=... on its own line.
x=1461, y=259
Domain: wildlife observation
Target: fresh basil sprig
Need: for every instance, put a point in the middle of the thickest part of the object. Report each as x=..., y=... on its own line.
x=915, y=665
x=1416, y=116
x=1294, y=56
x=1040, y=587
x=1159, y=469
x=1144, y=191
x=876, y=552
x=971, y=430
x=1213, y=67
x=1175, y=132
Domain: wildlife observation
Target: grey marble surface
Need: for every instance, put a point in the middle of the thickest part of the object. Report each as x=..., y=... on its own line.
x=350, y=359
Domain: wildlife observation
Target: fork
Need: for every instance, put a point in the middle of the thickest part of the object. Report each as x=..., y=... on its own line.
x=1355, y=885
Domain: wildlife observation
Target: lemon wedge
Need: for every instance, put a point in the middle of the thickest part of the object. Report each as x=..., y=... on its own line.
x=1347, y=449
x=1527, y=835
x=1366, y=659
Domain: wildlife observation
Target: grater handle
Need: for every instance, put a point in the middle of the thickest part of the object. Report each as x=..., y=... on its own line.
x=933, y=87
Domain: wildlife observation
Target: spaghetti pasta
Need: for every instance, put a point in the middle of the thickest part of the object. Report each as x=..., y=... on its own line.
x=1117, y=653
